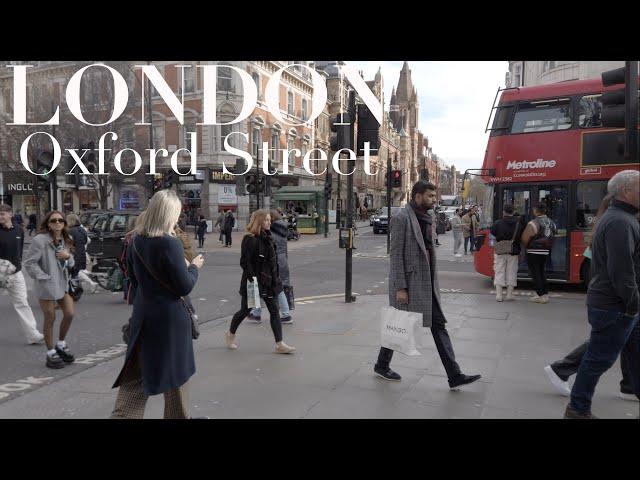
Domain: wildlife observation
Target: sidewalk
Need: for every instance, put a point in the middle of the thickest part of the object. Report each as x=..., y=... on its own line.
x=330, y=376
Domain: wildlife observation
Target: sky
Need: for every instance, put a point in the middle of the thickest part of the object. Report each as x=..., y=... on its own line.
x=455, y=102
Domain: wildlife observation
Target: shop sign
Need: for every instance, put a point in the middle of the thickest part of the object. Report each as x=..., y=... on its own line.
x=227, y=195
x=218, y=176
x=18, y=189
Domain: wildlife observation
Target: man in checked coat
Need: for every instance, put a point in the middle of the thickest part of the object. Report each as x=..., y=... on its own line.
x=413, y=281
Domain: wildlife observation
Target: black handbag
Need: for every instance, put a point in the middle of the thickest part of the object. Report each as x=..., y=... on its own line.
x=75, y=290
x=195, y=331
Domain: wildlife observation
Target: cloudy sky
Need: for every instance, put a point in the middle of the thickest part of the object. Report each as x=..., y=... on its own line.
x=455, y=101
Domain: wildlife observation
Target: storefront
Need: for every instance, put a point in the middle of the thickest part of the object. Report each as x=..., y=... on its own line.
x=79, y=200
x=224, y=196
x=19, y=194
x=130, y=198
x=306, y=202
x=190, y=193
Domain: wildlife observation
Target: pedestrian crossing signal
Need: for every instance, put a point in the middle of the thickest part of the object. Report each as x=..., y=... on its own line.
x=396, y=178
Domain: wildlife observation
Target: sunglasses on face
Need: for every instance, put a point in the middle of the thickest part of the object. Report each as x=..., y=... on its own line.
x=56, y=220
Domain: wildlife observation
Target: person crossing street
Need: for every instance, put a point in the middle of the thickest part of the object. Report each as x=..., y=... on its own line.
x=413, y=281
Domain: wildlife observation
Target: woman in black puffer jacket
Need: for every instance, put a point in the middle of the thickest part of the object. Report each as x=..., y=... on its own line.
x=258, y=259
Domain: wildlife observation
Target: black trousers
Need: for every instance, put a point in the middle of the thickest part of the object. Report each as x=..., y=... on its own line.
x=442, y=341
x=274, y=317
x=201, y=240
x=536, y=265
x=227, y=237
x=629, y=363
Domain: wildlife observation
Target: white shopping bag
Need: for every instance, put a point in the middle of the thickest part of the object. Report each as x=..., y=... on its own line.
x=253, y=294
x=400, y=330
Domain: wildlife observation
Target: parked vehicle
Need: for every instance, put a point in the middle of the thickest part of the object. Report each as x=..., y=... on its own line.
x=107, y=233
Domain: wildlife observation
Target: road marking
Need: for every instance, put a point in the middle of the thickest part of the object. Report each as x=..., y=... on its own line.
x=8, y=388
x=317, y=297
x=102, y=355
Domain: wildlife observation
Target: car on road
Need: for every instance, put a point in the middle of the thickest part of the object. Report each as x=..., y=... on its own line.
x=107, y=232
x=381, y=220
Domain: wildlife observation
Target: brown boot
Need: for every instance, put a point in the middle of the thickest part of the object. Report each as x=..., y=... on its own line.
x=573, y=414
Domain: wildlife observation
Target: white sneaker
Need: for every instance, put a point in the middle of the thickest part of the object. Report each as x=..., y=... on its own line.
x=544, y=299
x=535, y=299
x=458, y=255
x=37, y=340
x=230, y=341
x=284, y=348
x=628, y=396
x=561, y=386
x=509, y=296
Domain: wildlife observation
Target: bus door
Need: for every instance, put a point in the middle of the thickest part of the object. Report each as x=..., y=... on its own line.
x=520, y=197
x=556, y=198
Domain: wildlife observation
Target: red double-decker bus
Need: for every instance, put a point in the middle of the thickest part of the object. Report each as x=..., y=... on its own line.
x=547, y=144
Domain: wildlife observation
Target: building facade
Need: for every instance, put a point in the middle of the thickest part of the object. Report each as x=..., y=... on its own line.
x=529, y=73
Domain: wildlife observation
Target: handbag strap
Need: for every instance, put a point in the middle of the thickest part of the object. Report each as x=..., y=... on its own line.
x=153, y=275
x=515, y=231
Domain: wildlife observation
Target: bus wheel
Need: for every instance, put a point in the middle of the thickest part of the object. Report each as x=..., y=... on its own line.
x=585, y=272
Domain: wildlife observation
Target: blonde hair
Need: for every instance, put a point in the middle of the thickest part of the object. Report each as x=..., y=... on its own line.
x=161, y=215
x=256, y=221
x=72, y=220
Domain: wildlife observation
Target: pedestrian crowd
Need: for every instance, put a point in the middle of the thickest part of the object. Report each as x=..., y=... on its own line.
x=161, y=270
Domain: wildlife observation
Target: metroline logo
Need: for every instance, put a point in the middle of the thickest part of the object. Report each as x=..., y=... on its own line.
x=539, y=163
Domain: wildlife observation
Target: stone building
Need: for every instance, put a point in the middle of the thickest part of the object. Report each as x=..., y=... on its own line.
x=528, y=73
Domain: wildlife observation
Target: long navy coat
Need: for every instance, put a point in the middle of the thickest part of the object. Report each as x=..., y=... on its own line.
x=160, y=323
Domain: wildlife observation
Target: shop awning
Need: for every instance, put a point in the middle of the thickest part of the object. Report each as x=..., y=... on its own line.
x=294, y=196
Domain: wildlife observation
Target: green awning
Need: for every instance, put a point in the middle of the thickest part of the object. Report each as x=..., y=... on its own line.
x=294, y=196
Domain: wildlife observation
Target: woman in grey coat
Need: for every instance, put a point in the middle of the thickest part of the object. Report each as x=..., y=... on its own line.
x=48, y=262
x=279, y=231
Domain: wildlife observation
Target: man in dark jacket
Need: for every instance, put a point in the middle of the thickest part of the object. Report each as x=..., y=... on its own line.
x=613, y=299
x=11, y=276
x=413, y=281
x=505, y=265
x=229, y=222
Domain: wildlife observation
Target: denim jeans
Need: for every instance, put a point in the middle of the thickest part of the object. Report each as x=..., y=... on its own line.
x=282, y=304
x=610, y=330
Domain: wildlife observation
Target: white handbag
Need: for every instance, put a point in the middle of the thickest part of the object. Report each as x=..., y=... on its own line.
x=401, y=330
x=6, y=270
x=253, y=294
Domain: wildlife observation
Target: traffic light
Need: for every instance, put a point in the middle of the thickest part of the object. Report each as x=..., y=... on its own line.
x=251, y=184
x=620, y=107
x=466, y=186
x=342, y=126
x=328, y=186
x=613, y=102
x=368, y=128
x=396, y=178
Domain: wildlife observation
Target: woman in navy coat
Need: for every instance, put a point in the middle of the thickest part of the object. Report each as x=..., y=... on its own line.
x=160, y=355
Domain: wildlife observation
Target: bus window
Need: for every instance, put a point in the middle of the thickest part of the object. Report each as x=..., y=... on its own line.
x=542, y=116
x=589, y=196
x=502, y=120
x=589, y=111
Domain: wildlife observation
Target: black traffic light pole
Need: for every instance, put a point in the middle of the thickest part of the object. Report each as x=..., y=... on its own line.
x=631, y=110
x=327, y=196
x=257, y=186
x=348, y=296
x=388, y=202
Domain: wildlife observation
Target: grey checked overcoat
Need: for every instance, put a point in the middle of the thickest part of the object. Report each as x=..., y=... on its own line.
x=410, y=267
x=51, y=279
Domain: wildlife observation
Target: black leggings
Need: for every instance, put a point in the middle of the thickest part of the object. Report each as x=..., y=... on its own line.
x=274, y=317
x=537, y=265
